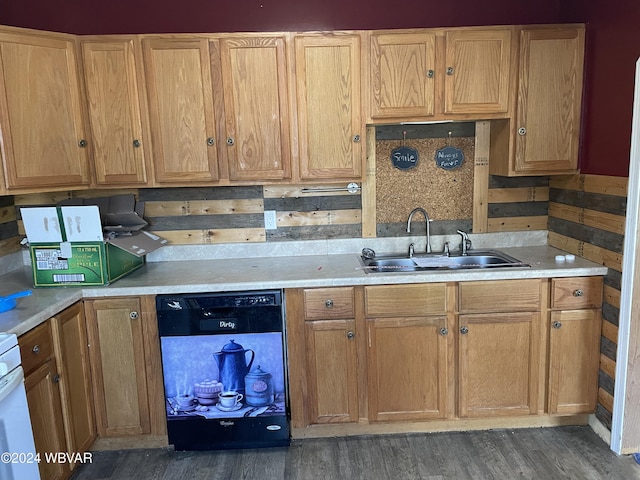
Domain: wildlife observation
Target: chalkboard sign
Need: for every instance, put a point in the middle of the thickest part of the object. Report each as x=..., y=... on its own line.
x=404, y=158
x=449, y=158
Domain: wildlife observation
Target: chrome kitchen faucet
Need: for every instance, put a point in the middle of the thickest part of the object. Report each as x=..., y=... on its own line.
x=427, y=220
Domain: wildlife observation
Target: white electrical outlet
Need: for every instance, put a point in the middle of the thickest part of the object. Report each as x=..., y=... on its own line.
x=270, y=220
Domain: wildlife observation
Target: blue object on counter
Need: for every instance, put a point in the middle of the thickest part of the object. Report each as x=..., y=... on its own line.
x=9, y=302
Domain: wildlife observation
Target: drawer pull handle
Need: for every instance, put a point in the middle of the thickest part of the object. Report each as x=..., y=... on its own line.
x=444, y=331
x=556, y=324
x=577, y=293
x=328, y=303
x=133, y=315
x=56, y=378
x=464, y=330
x=36, y=349
x=350, y=335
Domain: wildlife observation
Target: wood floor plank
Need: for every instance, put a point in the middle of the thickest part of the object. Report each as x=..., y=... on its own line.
x=572, y=453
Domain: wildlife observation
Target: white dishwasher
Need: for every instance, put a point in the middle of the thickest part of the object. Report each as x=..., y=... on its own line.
x=18, y=459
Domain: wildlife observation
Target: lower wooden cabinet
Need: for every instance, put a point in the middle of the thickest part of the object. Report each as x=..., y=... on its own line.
x=125, y=366
x=498, y=364
x=408, y=368
x=408, y=347
x=575, y=324
x=443, y=351
x=71, y=351
x=573, y=361
x=42, y=384
x=331, y=360
x=332, y=371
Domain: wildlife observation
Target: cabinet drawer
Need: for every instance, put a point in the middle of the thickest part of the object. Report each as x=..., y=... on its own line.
x=323, y=303
x=405, y=300
x=36, y=347
x=500, y=296
x=576, y=293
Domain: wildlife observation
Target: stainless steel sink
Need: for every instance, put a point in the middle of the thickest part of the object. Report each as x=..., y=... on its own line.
x=419, y=263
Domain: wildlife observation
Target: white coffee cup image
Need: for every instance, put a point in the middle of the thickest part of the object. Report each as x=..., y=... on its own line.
x=230, y=399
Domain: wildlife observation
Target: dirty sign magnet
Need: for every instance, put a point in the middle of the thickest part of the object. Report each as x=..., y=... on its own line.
x=449, y=158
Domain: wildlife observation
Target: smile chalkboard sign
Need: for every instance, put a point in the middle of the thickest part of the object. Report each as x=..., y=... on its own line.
x=404, y=158
x=449, y=158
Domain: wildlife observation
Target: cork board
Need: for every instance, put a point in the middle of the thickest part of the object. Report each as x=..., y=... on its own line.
x=444, y=194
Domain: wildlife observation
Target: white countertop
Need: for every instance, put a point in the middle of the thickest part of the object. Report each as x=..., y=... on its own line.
x=301, y=271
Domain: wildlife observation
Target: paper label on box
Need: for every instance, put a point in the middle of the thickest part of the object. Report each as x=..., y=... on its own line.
x=65, y=250
x=50, y=259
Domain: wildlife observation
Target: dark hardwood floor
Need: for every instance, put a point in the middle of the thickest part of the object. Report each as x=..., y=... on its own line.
x=575, y=453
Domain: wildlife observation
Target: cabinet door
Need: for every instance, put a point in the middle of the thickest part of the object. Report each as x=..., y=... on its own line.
x=477, y=75
x=332, y=371
x=71, y=348
x=114, y=111
x=256, y=102
x=40, y=113
x=43, y=397
x=498, y=371
x=549, y=100
x=118, y=366
x=408, y=368
x=573, y=361
x=330, y=126
x=402, y=71
x=181, y=111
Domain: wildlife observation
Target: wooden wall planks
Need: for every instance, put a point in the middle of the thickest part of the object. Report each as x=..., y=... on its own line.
x=587, y=218
x=9, y=239
x=206, y=215
x=517, y=203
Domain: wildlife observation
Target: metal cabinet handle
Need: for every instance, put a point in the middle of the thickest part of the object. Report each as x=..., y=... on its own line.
x=350, y=335
x=578, y=293
x=36, y=349
x=356, y=138
x=82, y=143
x=430, y=73
x=133, y=315
x=522, y=131
x=56, y=378
x=556, y=324
x=444, y=331
x=328, y=303
x=450, y=70
x=230, y=141
x=210, y=141
x=136, y=143
x=464, y=330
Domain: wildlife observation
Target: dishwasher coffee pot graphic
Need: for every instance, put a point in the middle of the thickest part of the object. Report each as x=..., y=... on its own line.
x=233, y=366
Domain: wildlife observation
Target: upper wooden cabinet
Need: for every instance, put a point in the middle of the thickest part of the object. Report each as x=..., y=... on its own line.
x=256, y=104
x=477, y=73
x=433, y=73
x=43, y=135
x=543, y=138
x=402, y=74
x=113, y=102
x=330, y=126
x=181, y=109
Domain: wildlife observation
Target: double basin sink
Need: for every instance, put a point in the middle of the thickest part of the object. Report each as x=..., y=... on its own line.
x=473, y=259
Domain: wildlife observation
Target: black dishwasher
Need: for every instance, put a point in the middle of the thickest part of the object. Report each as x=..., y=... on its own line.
x=224, y=369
